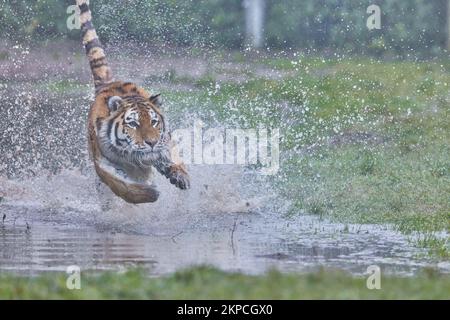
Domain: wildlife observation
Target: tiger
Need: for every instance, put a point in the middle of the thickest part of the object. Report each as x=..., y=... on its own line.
x=128, y=134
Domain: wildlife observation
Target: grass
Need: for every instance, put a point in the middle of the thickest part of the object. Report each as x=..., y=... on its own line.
x=362, y=141
x=209, y=283
x=63, y=86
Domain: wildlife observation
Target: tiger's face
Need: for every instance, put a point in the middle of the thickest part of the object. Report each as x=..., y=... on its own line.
x=141, y=126
x=135, y=130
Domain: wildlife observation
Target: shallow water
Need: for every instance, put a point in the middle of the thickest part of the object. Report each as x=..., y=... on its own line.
x=250, y=243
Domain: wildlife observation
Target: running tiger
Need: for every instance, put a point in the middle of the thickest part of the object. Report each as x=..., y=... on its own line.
x=127, y=132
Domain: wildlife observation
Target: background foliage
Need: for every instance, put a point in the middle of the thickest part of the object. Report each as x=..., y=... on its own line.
x=408, y=25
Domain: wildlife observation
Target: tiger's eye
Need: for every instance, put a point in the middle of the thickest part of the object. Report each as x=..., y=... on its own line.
x=133, y=124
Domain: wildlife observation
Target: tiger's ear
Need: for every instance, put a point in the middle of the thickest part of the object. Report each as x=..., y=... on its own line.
x=114, y=103
x=156, y=100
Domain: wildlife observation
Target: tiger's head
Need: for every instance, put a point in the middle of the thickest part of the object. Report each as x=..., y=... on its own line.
x=135, y=131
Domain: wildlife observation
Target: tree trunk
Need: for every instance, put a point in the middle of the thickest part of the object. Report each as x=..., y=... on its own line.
x=254, y=22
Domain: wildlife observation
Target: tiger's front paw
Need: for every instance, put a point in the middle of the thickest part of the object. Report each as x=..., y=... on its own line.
x=179, y=177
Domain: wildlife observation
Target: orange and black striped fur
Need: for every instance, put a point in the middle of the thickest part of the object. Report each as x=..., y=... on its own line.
x=128, y=133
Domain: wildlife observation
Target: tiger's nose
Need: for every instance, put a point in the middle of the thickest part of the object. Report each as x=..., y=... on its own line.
x=150, y=143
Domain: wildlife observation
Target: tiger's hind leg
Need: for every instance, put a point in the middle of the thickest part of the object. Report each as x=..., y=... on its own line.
x=126, y=188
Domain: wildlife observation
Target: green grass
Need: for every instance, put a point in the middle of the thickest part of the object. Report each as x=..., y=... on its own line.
x=363, y=141
x=209, y=283
x=61, y=86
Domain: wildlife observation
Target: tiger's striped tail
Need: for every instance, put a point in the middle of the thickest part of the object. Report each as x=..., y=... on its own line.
x=94, y=50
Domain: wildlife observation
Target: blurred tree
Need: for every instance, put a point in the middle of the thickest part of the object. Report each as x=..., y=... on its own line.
x=408, y=26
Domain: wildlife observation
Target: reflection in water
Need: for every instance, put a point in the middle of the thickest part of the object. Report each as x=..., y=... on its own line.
x=245, y=242
x=48, y=248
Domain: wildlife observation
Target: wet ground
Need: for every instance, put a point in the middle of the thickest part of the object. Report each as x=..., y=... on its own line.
x=250, y=243
x=52, y=222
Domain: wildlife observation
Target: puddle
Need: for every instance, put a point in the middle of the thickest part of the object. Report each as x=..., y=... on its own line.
x=54, y=221
x=249, y=243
